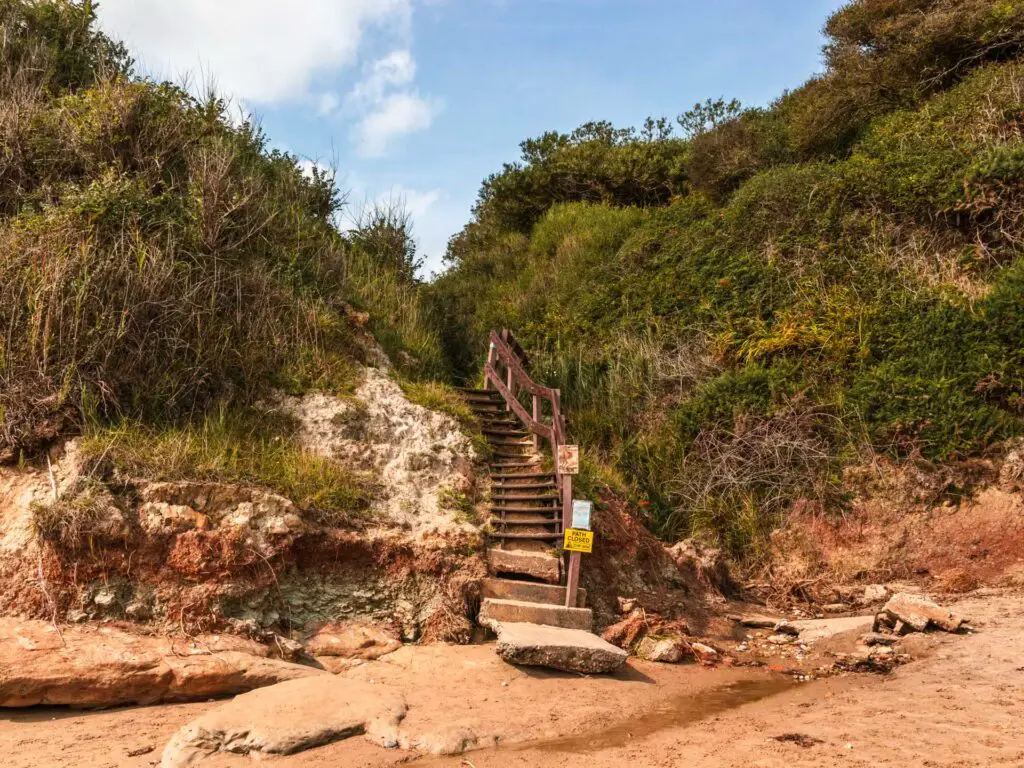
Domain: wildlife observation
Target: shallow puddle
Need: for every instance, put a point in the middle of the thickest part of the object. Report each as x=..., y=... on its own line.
x=679, y=710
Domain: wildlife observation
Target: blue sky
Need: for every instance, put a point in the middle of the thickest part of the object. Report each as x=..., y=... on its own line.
x=421, y=99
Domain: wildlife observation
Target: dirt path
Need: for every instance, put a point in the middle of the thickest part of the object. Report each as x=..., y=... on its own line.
x=959, y=705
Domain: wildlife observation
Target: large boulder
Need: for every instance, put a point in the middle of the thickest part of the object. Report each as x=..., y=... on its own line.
x=106, y=666
x=568, y=650
x=290, y=717
x=919, y=614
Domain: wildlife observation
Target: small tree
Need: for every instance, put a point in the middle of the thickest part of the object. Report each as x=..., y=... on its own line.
x=703, y=118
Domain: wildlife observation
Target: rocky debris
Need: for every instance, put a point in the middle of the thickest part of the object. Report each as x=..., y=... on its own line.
x=813, y=630
x=781, y=639
x=709, y=564
x=835, y=608
x=919, y=614
x=568, y=650
x=705, y=654
x=874, y=593
x=640, y=624
x=800, y=739
x=666, y=650
x=785, y=628
x=86, y=667
x=454, y=740
x=755, y=621
x=877, y=638
x=351, y=640
x=290, y=717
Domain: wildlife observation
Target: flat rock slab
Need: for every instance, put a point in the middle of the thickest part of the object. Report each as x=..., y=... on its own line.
x=813, y=630
x=103, y=666
x=568, y=650
x=920, y=614
x=290, y=717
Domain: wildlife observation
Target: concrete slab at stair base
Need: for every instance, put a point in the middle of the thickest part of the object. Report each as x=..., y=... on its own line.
x=568, y=650
x=530, y=592
x=537, y=565
x=494, y=611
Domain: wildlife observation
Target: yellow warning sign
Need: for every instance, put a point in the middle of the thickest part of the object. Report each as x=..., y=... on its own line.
x=577, y=540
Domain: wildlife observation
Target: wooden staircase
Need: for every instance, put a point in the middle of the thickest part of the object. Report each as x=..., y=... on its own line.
x=529, y=502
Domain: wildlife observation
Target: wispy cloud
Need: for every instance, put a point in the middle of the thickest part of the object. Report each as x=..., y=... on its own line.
x=388, y=105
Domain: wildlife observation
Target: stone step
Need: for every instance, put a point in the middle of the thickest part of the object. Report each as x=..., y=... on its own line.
x=545, y=566
x=529, y=592
x=494, y=610
x=567, y=650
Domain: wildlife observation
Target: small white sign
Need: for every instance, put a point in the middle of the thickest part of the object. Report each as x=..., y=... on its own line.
x=581, y=514
x=568, y=459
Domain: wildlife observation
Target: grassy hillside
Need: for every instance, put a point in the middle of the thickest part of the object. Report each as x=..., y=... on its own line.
x=161, y=263
x=738, y=303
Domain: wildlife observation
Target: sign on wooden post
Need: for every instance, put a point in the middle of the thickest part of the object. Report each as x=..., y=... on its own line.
x=568, y=459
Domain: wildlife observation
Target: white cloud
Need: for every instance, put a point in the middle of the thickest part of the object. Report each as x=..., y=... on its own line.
x=393, y=117
x=262, y=51
x=326, y=103
x=394, y=70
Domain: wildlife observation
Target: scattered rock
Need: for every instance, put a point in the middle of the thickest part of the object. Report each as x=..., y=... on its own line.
x=876, y=638
x=667, y=650
x=88, y=667
x=800, y=739
x=627, y=604
x=450, y=741
x=705, y=653
x=568, y=650
x=920, y=614
x=781, y=639
x=812, y=630
x=288, y=718
x=351, y=640
x=883, y=621
x=755, y=622
x=835, y=608
x=140, y=751
x=875, y=593
x=785, y=628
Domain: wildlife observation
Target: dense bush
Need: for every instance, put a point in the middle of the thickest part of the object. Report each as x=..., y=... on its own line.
x=837, y=273
x=159, y=259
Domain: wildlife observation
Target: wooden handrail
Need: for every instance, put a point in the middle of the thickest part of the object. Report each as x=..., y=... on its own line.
x=506, y=353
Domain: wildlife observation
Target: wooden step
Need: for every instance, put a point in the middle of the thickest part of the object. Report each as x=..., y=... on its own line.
x=525, y=497
x=526, y=536
x=521, y=475
x=510, y=464
x=527, y=510
x=511, y=442
x=507, y=453
x=472, y=391
x=499, y=433
x=502, y=486
x=525, y=521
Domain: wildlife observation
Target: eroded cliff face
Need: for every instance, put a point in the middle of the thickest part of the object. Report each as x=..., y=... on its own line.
x=200, y=556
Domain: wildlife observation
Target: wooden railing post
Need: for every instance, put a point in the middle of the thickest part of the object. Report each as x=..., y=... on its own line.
x=536, y=417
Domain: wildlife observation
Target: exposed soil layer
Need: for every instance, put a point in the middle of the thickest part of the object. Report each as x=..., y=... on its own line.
x=958, y=703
